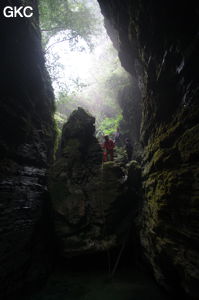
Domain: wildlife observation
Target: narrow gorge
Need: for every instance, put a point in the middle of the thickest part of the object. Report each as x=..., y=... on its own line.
x=67, y=215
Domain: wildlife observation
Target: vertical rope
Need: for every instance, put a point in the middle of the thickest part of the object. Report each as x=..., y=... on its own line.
x=104, y=223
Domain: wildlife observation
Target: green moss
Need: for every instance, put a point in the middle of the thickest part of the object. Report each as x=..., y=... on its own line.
x=57, y=139
x=189, y=143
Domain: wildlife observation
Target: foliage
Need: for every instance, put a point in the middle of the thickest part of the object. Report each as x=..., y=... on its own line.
x=57, y=138
x=60, y=119
x=70, y=22
x=65, y=104
x=75, y=21
x=99, y=96
x=71, y=18
x=108, y=126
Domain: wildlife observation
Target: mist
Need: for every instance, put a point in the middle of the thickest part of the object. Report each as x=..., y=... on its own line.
x=86, y=72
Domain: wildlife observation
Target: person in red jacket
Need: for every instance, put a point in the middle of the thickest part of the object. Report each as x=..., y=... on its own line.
x=108, y=148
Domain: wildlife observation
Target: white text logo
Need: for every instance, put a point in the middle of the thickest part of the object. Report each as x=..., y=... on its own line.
x=13, y=12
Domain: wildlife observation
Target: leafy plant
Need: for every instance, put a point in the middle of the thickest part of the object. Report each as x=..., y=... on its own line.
x=67, y=20
x=74, y=21
x=108, y=126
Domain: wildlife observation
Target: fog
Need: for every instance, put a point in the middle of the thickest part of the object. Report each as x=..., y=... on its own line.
x=86, y=72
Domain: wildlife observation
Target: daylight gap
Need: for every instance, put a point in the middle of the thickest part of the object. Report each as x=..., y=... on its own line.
x=83, y=64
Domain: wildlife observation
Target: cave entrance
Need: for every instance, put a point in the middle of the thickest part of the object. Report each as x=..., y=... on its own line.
x=85, y=69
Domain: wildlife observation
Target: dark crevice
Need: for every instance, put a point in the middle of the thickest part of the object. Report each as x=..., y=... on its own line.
x=67, y=223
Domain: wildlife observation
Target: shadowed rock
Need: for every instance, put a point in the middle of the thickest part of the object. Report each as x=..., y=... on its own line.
x=26, y=148
x=163, y=59
x=88, y=197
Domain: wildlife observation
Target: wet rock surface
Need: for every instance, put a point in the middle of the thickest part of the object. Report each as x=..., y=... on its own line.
x=159, y=49
x=26, y=147
x=170, y=213
x=158, y=45
x=89, y=199
x=129, y=99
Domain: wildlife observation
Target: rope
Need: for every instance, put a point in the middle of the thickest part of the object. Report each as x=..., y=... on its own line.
x=118, y=257
x=104, y=223
x=111, y=274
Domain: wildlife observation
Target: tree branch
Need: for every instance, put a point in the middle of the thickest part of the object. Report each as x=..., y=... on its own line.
x=52, y=29
x=61, y=41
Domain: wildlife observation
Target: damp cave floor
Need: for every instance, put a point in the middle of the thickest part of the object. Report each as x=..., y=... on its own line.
x=127, y=284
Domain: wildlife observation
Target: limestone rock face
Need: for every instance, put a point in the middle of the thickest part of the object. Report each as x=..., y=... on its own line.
x=129, y=99
x=88, y=198
x=26, y=146
x=160, y=50
x=170, y=214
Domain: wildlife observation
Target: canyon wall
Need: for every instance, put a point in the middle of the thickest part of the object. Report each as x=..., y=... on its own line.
x=26, y=146
x=158, y=44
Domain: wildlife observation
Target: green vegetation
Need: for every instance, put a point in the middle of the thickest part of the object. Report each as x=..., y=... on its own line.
x=99, y=93
x=109, y=125
x=72, y=18
x=75, y=25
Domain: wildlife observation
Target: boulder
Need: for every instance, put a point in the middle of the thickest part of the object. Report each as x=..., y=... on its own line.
x=88, y=197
